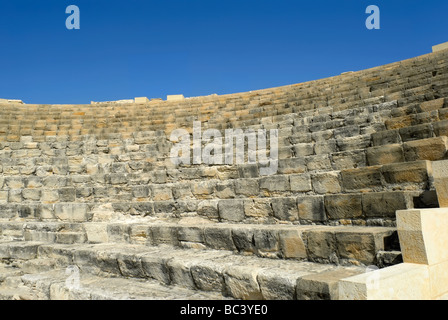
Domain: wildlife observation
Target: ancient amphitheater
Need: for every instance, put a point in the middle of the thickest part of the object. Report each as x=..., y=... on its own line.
x=92, y=205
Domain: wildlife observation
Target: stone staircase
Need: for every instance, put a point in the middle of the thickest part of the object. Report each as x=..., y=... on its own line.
x=92, y=207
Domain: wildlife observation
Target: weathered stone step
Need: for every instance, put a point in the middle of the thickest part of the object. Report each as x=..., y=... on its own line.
x=70, y=284
x=343, y=244
x=237, y=276
x=293, y=178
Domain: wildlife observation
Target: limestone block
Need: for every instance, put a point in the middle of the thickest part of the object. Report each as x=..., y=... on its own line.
x=203, y=189
x=443, y=115
x=164, y=234
x=292, y=244
x=130, y=265
x=165, y=207
x=323, y=285
x=161, y=193
x=190, y=233
x=3, y=196
x=349, y=159
x=226, y=190
x=247, y=187
x=361, y=178
x=356, y=246
x=15, y=183
x=208, y=208
x=386, y=137
x=356, y=142
x=266, y=242
x=325, y=147
x=241, y=283
x=303, y=149
x=243, y=240
x=300, y=182
x=31, y=194
x=291, y=165
x=73, y=212
x=231, y=210
x=47, y=211
x=407, y=172
x=318, y=162
x=385, y=204
x=431, y=105
x=140, y=234
x=258, y=208
x=311, y=208
x=54, y=182
x=67, y=194
x=406, y=281
x=327, y=182
x=418, y=132
x=118, y=178
x=180, y=272
x=140, y=191
x=320, y=245
x=440, y=47
x=438, y=275
x=440, y=175
x=274, y=183
x=276, y=285
x=441, y=127
x=155, y=268
x=392, y=153
x=248, y=170
x=32, y=182
x=208, y=276
x=432, y=149
x=285, y=209
x=15, y=195
x=219, y=238
x=423, y=236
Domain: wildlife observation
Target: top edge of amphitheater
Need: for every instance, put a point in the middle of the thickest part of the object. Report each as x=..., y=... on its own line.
x=179, y=98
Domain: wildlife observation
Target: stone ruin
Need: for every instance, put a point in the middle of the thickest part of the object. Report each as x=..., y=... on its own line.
x=92, y=207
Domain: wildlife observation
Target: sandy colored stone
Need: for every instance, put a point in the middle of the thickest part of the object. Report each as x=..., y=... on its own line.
x=440, y=175
x=423, y=236
x=406, y=281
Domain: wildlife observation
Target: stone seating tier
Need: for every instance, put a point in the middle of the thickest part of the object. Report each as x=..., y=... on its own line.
x=92, y=188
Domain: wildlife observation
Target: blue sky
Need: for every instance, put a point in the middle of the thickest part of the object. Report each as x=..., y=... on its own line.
x=127, y=49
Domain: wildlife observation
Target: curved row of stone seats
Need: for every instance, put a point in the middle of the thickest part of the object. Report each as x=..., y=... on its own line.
x=80, y=204
x=162, y=114
x=343, y=246
x=211, y=271
x=295, y=196
x=313, y=189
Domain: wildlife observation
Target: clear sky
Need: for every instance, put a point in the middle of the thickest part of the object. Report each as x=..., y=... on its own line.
x=134, y=48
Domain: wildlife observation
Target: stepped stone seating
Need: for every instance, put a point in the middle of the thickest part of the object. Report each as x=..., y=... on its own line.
x=93, y=188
